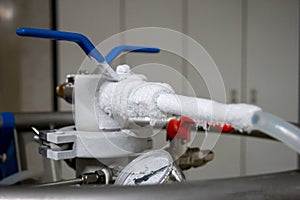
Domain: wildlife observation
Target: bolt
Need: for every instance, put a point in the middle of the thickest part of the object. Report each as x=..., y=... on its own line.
x=3, y=158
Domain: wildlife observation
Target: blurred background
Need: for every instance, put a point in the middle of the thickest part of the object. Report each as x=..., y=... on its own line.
x=254, y=43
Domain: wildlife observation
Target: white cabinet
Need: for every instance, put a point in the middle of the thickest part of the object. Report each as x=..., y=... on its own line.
x=216, y=25
x=97, y=19
x=272, y=76
x=272, y=56
x=162, y=14
x=256, y=40
x=155, y=13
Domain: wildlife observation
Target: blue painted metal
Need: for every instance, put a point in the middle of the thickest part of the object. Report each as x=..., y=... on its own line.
x=84, y=43
x=7, y=145
x=117, y=50
x=6, y=134
x=78, y=38
x=10, y=166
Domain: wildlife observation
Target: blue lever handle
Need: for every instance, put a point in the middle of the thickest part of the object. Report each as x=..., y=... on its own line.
x=80, y=39
x=84, y=43
x=117, y=50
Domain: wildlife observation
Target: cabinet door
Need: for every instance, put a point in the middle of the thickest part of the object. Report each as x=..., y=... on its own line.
x=272, y=76
x=216, y=25
x=35, y=57
x=167, y=14
x=272, y=56
x=97, y=19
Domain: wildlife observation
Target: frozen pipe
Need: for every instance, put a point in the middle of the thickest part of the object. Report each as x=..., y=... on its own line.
x=243, y=117
x=134, y=97
x=131, y=97
x=204, y=110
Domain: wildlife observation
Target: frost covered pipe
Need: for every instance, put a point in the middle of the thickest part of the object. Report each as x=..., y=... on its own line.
x=237, y=115
x=134, y=97
x=241, y=116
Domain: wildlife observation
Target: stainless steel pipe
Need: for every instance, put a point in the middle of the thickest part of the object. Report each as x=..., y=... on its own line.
x=273, y=186
x=41, y=120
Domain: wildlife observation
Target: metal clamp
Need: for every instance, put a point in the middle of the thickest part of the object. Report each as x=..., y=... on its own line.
x=56, y=144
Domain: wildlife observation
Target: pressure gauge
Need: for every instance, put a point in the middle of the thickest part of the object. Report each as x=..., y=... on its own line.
x=154, y=167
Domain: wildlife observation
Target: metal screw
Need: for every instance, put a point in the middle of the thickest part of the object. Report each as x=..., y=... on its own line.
x=3, y=158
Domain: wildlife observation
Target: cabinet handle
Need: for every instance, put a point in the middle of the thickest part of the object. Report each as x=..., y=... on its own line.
x=253, y=96
x=233, y=96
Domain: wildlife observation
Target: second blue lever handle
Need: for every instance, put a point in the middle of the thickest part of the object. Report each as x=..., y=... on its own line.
x=119, y=49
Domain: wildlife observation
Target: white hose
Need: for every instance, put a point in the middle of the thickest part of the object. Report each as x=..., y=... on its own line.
x=277, y=128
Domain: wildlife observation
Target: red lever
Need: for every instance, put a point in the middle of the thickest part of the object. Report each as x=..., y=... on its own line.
x=179, y=129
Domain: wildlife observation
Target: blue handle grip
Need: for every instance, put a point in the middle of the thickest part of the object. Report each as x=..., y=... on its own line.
x=117, y=50
x=80, y=39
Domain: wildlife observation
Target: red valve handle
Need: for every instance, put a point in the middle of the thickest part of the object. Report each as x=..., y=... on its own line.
x=224, y=129
x=179, y=129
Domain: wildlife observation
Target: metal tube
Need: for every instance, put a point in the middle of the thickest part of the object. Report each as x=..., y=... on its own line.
x=272, y=186
x=41, y=120
x=60, y=183
x=254, y=134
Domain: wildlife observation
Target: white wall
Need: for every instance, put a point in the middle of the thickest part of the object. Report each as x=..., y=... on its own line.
x=35, y=60
x=273, y=72
x=25, y=74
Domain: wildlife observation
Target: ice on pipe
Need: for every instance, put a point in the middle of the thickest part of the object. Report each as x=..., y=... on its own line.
x=205, y=110
x=123, y=69
x=133, y=96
